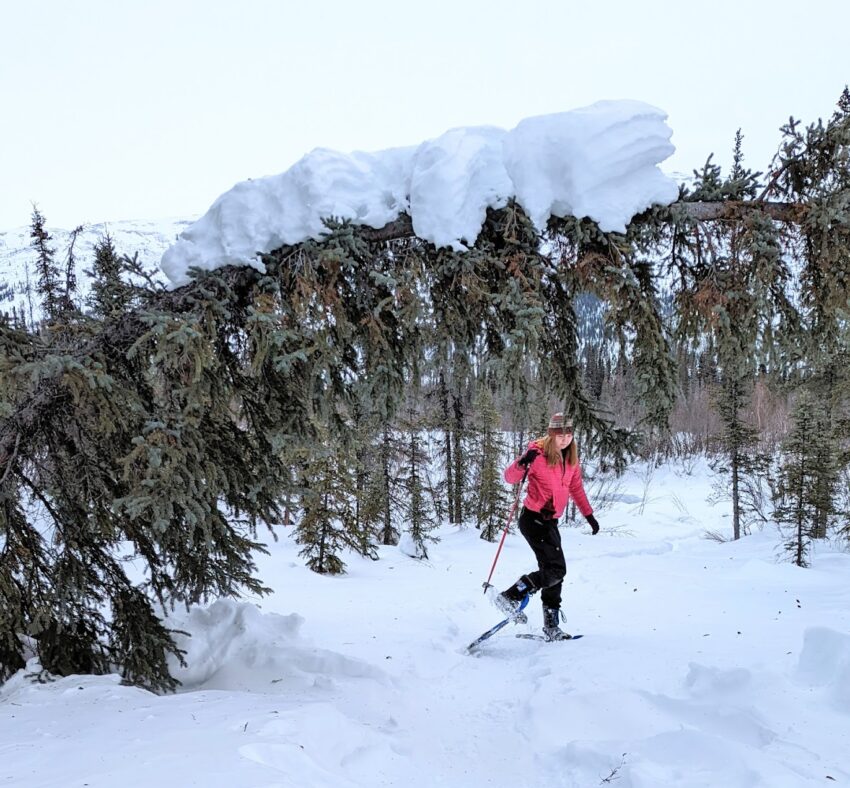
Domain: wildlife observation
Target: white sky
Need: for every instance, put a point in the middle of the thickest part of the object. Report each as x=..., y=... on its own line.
x=142, y=110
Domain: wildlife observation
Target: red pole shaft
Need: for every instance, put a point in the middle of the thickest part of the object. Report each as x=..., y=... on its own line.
x=505, y=532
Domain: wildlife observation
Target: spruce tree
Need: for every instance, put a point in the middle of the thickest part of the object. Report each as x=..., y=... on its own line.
x=831, y=389
x=373, y=511
x=741, y=462
x=137, y=450
x=376, y=448
x=382, y=491
x=459, y=434
x=487, y=457
x=526, y=405
x=418, y=519
x=799, y=500
x=813, y=170
x=446, y=502
x=28, y=291
x=328, y=523
x=110, y=295
x=70, y=293
x=736, y=305
x=48, y=283
x=451, y=415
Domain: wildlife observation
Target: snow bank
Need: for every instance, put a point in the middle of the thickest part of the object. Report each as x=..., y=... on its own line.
x=825, y=662
x=23, y=688
x=235, y=646
x=599, y=162
x=710, y=682
x=409, y=547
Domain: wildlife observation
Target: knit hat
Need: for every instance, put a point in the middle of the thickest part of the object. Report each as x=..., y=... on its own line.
x=560, y=425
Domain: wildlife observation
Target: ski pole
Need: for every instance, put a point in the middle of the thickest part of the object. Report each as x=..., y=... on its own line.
x=505, y=531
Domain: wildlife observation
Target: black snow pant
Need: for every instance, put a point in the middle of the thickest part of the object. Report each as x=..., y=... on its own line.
x=544, y=538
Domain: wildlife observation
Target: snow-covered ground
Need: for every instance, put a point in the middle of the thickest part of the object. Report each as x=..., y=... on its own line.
x=703, y=664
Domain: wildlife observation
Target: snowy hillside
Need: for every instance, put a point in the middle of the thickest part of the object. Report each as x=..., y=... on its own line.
x=702, y=664
x=149, y=238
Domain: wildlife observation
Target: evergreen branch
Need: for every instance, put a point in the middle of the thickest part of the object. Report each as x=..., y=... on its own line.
x=793, y=213
x=774, y=180
x=10, y=460
x=114, y=341
x=38, y=494
x=701, y=211
x=120, y=333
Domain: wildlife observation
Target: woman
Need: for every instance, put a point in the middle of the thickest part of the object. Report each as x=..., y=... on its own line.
x=554, y=476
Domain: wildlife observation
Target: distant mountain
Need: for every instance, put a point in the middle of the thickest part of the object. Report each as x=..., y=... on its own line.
x=17, y=258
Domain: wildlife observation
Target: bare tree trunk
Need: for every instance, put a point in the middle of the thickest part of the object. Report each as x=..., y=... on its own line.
x=736, y=495
x=800, y=530
x=458, y=460
x=447, y=448
x=388, y=535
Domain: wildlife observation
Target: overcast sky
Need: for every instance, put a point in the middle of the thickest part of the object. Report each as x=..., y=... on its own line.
x=123, y=109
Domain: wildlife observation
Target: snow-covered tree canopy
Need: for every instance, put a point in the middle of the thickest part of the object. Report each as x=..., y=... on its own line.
x=599, y=162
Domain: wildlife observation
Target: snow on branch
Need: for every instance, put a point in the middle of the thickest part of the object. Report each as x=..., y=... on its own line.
x=600, y=162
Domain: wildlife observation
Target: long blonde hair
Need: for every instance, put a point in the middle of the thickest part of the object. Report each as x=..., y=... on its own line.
x=550, y=450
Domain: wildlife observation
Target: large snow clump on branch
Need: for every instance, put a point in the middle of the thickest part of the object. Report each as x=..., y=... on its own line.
x=599, y=162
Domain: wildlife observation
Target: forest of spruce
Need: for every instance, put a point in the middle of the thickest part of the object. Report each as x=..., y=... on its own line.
x=368, y=388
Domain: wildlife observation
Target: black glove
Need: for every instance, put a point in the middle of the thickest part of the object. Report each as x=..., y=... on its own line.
x=527, y=458
x=594, y=526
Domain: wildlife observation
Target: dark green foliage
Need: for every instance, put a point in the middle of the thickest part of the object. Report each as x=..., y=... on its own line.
x=733, y=300
x=801, y=502
x=457, y=433
x=742, y=465
x=487, y=458
x=48, y=284
x=829, y=385
x=328, y=523
x=71, y=270
x=110, y=294
x=813, y=168
x=413, y=502
x=375, y=472
x=446, y=452
x=381, y=493
x=451, y=405
x=137, y=449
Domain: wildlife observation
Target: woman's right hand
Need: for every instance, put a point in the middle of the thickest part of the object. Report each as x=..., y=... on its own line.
x=527, y=458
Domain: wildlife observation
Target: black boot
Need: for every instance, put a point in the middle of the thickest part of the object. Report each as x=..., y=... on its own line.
x=509, y=600
x=551, y=618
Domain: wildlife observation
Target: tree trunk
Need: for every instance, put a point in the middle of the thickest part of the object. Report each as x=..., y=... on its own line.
x=800, y=530
x=458, y=460
x=388, y=535
x=736, y=495
x=447, y=448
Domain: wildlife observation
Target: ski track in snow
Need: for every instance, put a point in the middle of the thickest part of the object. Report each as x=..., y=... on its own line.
x=704, y=664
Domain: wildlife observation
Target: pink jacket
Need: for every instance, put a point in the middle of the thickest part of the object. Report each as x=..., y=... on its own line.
x=545, y=484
